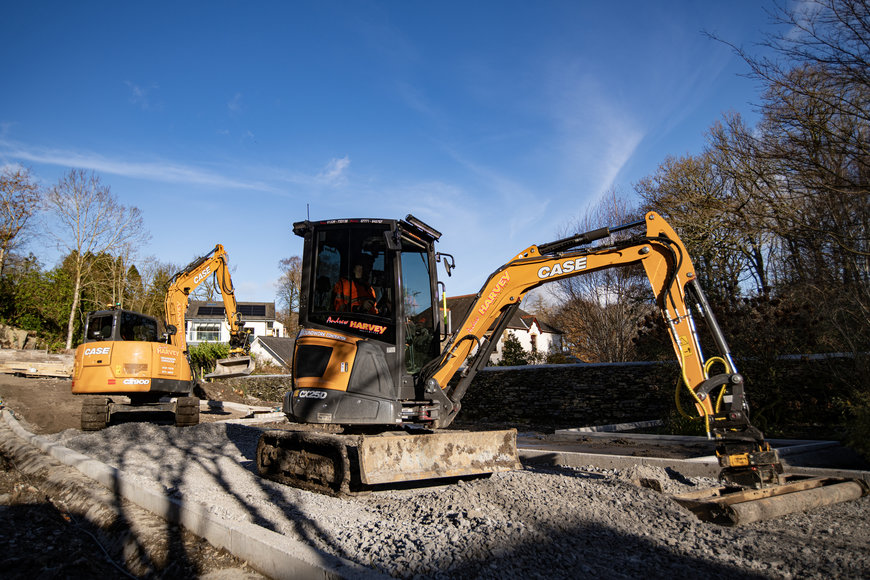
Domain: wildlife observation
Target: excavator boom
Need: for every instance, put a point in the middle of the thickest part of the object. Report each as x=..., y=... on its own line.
x=215, y=263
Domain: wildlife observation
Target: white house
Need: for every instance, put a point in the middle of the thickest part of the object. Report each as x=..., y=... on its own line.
x=207, y=321
x=274, y=349
x=536, y=337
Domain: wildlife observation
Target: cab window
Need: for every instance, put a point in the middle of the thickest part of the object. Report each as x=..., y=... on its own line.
x=351, y=273
x=420, y=343
x=100, y=328
x=138, y=328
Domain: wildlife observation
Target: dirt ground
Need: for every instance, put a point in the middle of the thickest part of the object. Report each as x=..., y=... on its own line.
x=47, y=405
x=54, y=529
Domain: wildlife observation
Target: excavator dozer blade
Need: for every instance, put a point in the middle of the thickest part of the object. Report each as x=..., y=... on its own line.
x=735, y=506
x=392, y=459
x=227, y=368
x=340, y=465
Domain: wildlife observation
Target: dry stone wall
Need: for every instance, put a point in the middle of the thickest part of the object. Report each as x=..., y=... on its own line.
x=564, y=396
x=796, y=394
x=789, y=393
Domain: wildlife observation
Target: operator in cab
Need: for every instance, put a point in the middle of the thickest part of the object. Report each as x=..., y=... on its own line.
x=355, y=295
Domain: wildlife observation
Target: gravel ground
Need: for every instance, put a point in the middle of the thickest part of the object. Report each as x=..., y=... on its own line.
x=58, y=524
x=534, y=523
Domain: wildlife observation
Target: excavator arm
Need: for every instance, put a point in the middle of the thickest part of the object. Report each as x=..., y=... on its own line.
x=719, y=400
x=215, y=263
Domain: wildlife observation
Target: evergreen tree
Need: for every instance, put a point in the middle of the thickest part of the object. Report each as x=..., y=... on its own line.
x=512, y=353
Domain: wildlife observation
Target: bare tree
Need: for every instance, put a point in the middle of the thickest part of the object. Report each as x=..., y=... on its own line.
x=125, y=256
x=289, y=286
x=815, y=131
x=812, y=149
x=91, y=222
x=709, y=202
x=155, y=278
x=599, y=311
x=19, y=200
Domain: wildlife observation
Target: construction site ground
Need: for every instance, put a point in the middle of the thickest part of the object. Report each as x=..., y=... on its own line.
x=553, y=519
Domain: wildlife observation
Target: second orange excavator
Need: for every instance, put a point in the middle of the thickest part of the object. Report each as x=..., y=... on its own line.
x=126, y=365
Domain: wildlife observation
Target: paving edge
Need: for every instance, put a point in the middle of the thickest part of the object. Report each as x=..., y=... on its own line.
x=268, y=552
x=695, y=467
x=605, y=461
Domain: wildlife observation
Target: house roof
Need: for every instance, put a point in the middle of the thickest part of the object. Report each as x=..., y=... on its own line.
x=214, y=310
x=280, y=348
x=521, y=320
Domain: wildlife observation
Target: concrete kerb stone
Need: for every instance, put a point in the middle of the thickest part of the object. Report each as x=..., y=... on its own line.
x=256, y=415
x=257, y=419
x=237, y=406
x=268, y=552
x=605, y=461
x=707, y=466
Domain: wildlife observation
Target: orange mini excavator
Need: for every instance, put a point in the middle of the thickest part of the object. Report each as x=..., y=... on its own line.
x=125, y=365
x=376, y=390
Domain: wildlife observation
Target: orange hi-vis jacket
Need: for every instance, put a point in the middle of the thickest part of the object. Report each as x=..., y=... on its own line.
x=350, y=295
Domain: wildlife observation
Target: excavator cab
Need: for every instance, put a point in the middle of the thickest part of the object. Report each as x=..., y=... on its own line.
x=370, y=321
x=117, y=324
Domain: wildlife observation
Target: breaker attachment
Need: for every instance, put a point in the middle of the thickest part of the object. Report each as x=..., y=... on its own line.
x=755, y=488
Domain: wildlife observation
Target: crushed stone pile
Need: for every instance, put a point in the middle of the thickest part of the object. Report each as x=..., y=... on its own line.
x=534, y=523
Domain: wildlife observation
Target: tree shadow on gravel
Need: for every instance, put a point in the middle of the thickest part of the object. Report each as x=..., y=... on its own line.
x=223, y=456
x=56, y=524
x=180, y=454
x=593, y=551
x=307, y=529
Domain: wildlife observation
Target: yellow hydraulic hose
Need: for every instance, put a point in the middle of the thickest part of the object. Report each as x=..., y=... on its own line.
x=728, y=369
x=685, y=380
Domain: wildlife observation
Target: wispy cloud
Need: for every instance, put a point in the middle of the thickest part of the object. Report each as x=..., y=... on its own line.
x=235, y=104
x=596, y=132
x=805, y=13
x=160, y=170
x=414, y=98
x=335, y=171
x=141, y=96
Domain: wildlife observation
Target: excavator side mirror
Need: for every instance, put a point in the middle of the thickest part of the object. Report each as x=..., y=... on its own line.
x=171, y=330
x=449, y=262
x=392, y=239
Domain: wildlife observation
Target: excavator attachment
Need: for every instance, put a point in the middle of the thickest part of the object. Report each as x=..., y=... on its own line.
x=735, y=505
x=228, y=368
x=340, y=464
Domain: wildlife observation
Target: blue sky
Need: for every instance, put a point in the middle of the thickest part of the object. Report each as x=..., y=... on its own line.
x=496, y=122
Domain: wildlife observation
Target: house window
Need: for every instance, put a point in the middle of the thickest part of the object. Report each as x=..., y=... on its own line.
x=206, y=332
x=534, y=338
